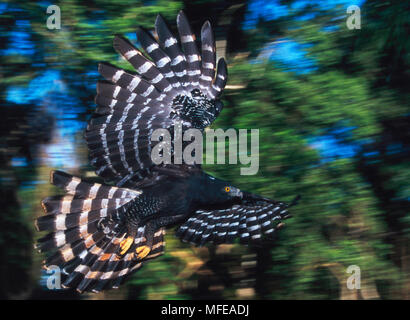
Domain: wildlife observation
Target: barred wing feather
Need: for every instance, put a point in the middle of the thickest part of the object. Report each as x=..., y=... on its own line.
x=177, y=84
x=248, y=222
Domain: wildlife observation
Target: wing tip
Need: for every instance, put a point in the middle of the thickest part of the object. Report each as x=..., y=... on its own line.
x=101, y=66
x=159, y=20
x=51, y=178
x=55, y=175
x=37, y=227
x=206, y=30
x=181, y=15
x=222, y=64
x=120, y=43
x=206, y=25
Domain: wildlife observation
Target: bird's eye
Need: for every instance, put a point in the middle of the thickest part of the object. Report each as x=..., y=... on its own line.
x=227, y=189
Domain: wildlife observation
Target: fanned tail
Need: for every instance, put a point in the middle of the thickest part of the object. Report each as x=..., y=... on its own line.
x=87, y=228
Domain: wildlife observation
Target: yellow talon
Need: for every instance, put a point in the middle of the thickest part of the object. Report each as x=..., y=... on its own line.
x=126, y=244
x=142, y=252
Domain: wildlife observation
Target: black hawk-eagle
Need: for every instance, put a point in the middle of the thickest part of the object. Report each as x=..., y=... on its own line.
x=102, y=233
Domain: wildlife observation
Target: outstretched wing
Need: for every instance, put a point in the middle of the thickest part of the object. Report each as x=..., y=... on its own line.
x=177, y=85
x=248, y=221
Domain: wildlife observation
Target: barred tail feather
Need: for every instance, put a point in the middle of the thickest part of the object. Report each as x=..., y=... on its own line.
x=86, y=231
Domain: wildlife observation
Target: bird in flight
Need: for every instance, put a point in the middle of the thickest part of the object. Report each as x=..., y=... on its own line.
x=102, y=233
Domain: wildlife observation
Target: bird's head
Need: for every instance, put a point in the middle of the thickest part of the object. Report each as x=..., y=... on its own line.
x=218, y=191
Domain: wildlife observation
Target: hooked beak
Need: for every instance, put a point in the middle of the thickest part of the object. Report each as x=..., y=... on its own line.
x=239, y=193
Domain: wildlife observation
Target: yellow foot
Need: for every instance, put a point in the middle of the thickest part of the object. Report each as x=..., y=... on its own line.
x=142, y=252
x=126, y=244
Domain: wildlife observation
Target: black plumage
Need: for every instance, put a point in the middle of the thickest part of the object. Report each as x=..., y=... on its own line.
x=100, y=233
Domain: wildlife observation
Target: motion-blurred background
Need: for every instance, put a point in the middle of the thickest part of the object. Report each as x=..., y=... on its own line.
x=332, y=107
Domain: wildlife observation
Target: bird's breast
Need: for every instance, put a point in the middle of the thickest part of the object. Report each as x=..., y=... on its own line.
x=154, y=205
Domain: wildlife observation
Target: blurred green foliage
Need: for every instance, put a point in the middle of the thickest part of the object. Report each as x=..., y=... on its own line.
x=354, y=207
